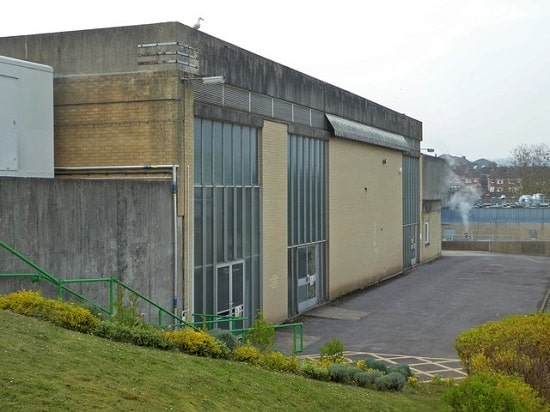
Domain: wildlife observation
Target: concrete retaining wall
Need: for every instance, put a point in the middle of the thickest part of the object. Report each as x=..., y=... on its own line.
x=90, y=229
x=535, y=248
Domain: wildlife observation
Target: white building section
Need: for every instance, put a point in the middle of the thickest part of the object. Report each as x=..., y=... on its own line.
x=26, y=119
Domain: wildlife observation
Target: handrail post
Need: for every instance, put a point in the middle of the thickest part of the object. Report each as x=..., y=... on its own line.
x=111, y=297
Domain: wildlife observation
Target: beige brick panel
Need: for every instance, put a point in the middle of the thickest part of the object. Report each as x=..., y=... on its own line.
x=365, y=215
x=274, y=154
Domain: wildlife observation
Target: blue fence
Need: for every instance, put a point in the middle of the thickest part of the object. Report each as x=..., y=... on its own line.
x=498, y=215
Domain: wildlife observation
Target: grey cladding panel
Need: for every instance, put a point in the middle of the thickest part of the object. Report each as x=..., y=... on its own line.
x=357, y=131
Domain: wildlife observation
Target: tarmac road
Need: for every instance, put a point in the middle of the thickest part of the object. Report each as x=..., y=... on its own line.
x=421, y=312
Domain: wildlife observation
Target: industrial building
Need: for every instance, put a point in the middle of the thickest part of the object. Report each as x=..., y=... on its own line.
x=287, y=191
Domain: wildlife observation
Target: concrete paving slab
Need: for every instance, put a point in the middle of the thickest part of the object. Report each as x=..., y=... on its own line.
x=334, y=312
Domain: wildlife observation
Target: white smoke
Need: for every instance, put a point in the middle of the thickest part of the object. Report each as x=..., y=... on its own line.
x=463, y=201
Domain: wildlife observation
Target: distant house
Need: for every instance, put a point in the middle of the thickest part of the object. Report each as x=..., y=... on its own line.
x=491, y=181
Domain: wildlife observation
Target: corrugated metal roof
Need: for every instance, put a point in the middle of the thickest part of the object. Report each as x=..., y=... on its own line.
x=367, y=134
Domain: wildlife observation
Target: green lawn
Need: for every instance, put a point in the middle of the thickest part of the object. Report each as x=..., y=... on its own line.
x=47, y=368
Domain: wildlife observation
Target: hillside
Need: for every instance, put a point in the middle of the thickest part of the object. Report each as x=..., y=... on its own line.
x=46, y=368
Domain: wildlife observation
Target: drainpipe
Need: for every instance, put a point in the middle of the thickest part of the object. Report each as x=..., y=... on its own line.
x=173, y=168
x=175, y=219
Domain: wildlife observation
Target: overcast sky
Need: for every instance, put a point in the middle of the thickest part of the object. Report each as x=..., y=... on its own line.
x=475, y=72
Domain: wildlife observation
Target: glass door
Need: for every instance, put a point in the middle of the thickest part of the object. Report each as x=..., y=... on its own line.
x=230, y=291
x=308, y=290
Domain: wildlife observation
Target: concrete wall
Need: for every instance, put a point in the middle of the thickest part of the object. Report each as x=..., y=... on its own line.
x=501, y=231
x=365, y=215
x=535, y=248
x=274, y=166
x=115, y=50
x=87, y=229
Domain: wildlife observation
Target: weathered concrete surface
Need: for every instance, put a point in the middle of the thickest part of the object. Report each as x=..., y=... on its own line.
x=90, y=229
x=76, y=53
x=530, y=247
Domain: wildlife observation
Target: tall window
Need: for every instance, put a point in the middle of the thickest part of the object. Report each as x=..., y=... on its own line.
x=227, y=199
x=307, y=199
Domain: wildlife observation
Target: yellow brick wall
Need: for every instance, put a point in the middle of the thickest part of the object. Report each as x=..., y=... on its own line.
x=365, y=226
x=433, y=217
x=274, y=221
x=122, y=119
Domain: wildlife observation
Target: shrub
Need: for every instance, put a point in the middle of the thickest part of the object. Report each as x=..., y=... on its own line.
x=376, y=365
x=140, y=335
x=332, y=351
x=248, y=353
x=369, y=378
x=489, y=391
x=393, y=381
x=126, y=308
x=313, y=370
x=340, y=373
x=198, y=343
x=514, y=345
x=261, y=333
x=279, y=362
x=363, y=379
x=226, y=337
x=404, y=370
x=33, y=304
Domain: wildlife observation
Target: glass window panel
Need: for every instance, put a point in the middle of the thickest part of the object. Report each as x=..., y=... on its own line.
x=222, y=298
x=300, y=191
x=290, y=188
x=209, y=289
x=302, y=293
x=217, y=147
x=209, y=225
x=315, y=191
x=307, y=191
x=198, y=296
x=198, y=226
x=323, y=194
x=207, y=152
x=239, y=225
x=237, y=155
x=302, y=262
x=230, y=219
x=247, y=221
x=198, y=151
x=246, y=155
x=295, y=190
x=227, y=154
x=238, y=279
x=254, y=155
x=219, y=203
x=311, y=260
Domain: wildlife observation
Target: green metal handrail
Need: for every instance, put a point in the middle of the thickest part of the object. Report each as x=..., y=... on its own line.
x=298, y=328
x=297, y=332
x=114, y=281
x=60, y=284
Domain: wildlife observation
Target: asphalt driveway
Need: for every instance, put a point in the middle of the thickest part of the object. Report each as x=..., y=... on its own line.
x=421, y=313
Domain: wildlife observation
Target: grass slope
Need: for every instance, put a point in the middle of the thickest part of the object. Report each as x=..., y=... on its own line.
x=46, y=368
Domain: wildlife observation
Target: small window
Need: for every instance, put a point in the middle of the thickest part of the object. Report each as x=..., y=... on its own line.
x=426, y=233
